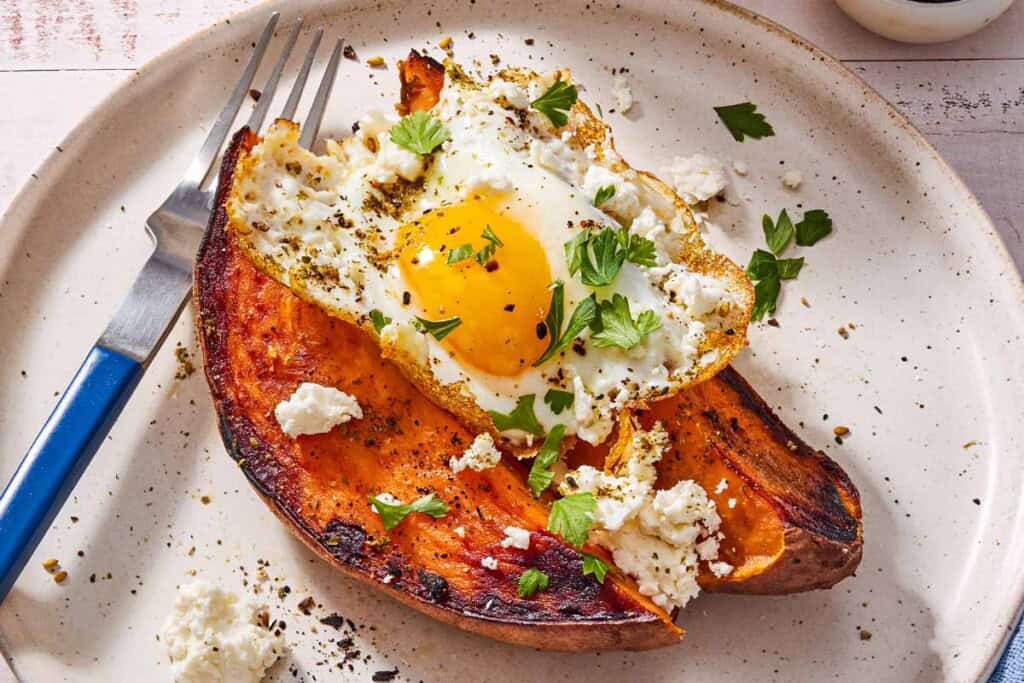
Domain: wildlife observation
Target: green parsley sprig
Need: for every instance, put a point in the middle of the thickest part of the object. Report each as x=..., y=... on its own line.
x=598, y=258
x=617, y=327
x=392, y=515
x=532, y=581
x=439, y=329
x=572, y=516
x=743, y=120
x=583, y=316
x=767, y=270
x=604, y=194
x=558, y=400
x=592, y=564
x=522, y=417
x=540, y=472
x=419, y=132
x=379, y=320
x=556, y=102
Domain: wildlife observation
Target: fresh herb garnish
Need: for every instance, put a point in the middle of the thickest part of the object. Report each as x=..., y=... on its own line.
x=392, y=515
x=460, y=253
x=438, y=328
x=540, y=472
x=777, y=234
x=639, y=249
x=763, y=265
x=789, y=268
x=585, y=313
x=598, y=258
x=419, y=132
x=379, y=320
x=558, y=400
x=766, y=293
x=531, y=581
x=596, y=566
x=572, y=516
x=815, y=225
x=618, y=328
x=604, y=194
x=556, y=102
x=522, y=417
x=744, y=120
x=485, y=254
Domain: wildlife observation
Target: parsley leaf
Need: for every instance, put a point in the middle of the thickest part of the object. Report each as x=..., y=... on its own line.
x=592, y=564
x=762, y=265
x=460, y=253
x=574, y=251
x=493, y=242
x=392, y=515
x=419, y=132
x=522, y=417
x=618, y=328
x=558, y=400
x=531, y=581
x=789, y=268
x=585, y=313
x=540, y=472
x=766, y=293
x=608, y=259
x=572, y=516
x=639, y=249
x=604, y=194
x=815, y=225
x=556, y=102
x=779, y=233
x=438, y=328
x=379, y=320
x=743, y=119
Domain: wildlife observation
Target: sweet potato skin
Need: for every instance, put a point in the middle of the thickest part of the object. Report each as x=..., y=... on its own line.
x=260, y=341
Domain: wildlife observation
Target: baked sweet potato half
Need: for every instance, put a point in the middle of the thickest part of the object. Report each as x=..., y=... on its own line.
x=259, y=341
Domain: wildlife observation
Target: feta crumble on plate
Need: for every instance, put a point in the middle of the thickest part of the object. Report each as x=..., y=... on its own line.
x=212, y=636
x=516, y=538
x=316, y=409
x=697, y=178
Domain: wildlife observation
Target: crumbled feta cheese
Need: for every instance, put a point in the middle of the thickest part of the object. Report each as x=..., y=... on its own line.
x=490, y=179
x=389, y=578
x=698, y=293
x=657, y=537
x=731, y=503
x=401, y=337
x=394, y=162
x=624, y=203
x=460, y=531
x=316, y=409
x=740, y=168
x=489, y=563
x=425, y=255
x=623, y=94
x=516, y=538
x=792, y=180
x=722, y=485
x=559, y=158
x=481, y=455
x=647, y=224
x=592, y=425
x=697, y=178
x=513, y=95
x=720, y=569
x=213, y=636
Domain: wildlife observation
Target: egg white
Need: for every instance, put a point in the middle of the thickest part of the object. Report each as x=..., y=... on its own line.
x=326, y=225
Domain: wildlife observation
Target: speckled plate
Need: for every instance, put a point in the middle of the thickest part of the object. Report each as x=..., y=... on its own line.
x=927, y=380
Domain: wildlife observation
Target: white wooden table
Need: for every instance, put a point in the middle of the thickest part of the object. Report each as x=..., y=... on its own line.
x=58, y=59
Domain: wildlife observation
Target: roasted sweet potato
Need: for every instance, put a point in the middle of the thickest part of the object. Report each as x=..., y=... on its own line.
x=260, y=341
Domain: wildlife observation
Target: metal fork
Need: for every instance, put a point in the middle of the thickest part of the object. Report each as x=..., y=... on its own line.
x=111, y=371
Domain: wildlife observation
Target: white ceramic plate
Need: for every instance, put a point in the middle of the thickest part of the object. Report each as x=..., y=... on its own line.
x=914, y=264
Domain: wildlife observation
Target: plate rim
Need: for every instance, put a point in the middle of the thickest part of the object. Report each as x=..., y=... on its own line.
x=1013, y=609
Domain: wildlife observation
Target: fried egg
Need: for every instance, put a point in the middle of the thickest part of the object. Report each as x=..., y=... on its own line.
x=451, y=258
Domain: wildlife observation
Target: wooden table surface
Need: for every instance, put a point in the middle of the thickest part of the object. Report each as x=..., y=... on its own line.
x=58, y=58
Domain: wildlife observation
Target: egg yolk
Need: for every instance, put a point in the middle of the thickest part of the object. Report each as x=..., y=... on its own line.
x=502, y=302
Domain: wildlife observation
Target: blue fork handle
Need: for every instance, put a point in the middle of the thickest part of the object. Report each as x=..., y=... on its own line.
x=59, y=455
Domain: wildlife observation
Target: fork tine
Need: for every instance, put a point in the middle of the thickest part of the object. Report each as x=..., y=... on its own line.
x=300, y=81
x=311, y=126
x=260, y=112
x=200, y=166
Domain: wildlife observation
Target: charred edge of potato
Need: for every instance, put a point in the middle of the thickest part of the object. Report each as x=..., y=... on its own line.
x=421, y=81
x=822, y=534
x=343, y=544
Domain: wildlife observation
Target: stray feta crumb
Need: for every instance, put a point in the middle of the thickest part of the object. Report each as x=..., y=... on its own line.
x=697, y=178
x=720, y=569
x=481, y=455
x=623, y=94
x=316, y=409
x=489, y=563
x=731, y=503
x=516, y=538
x=740, y=168
x=212, y=635
x=722, y=485
x=460, y=531
x=389, y=578
x=624, y=203
x=792, y=180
